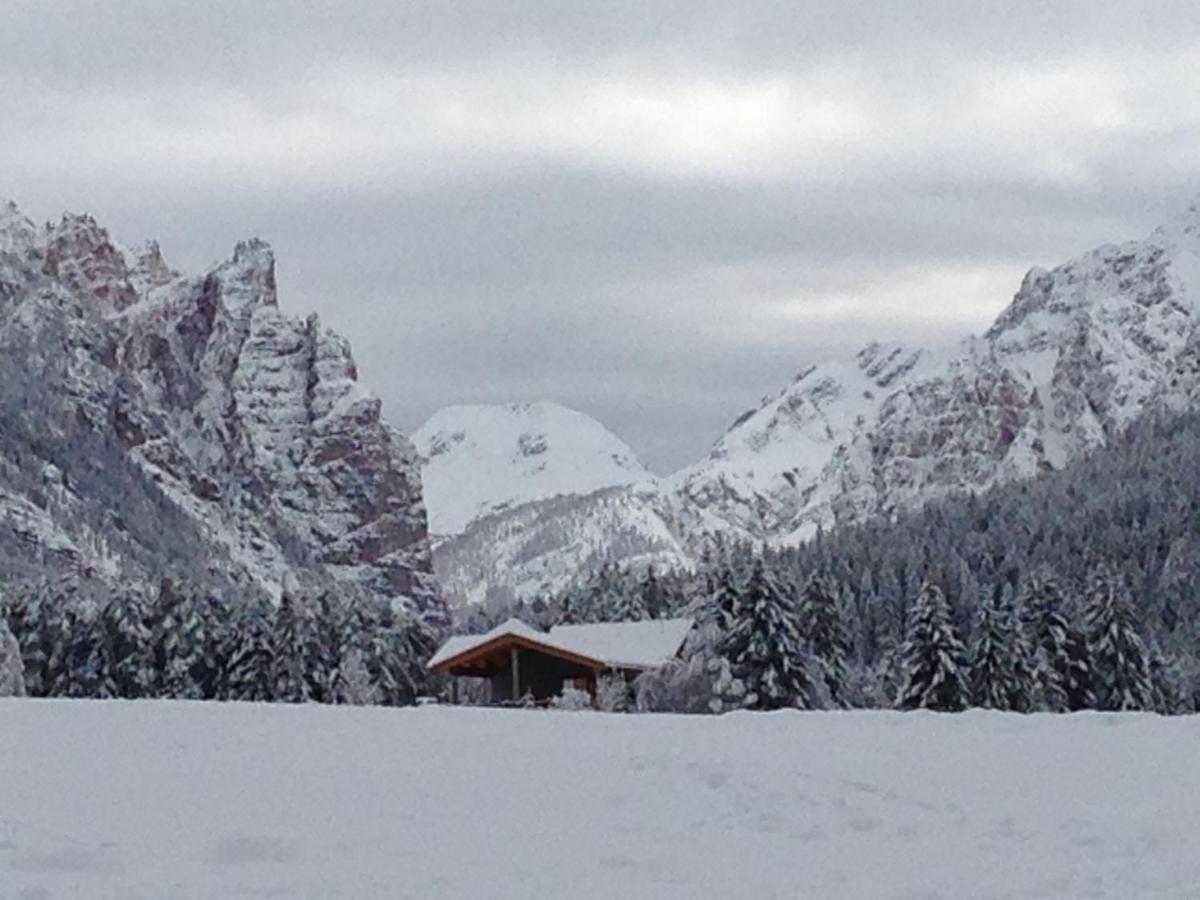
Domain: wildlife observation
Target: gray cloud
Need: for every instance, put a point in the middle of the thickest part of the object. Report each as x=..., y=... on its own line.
x=654, y=212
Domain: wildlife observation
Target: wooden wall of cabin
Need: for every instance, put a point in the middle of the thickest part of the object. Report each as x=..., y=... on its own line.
x=540, y=675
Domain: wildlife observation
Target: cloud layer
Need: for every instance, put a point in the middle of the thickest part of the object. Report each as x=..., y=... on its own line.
x=653, y=212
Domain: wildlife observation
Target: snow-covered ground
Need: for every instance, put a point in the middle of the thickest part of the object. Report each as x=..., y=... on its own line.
x=183, y=800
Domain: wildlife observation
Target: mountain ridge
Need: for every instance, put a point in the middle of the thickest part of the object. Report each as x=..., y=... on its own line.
x=1080, y=352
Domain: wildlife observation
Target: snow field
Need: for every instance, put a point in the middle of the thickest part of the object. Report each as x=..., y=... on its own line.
x=110, y=799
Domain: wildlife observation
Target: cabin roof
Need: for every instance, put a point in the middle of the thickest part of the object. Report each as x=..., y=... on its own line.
x=626, y=645
x=604, y=645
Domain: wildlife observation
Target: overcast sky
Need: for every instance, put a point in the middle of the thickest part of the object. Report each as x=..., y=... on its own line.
x=655, y=212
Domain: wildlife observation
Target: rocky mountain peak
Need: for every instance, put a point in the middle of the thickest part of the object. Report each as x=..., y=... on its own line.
x=248, y=425
x=80, y=255
x=249, y=276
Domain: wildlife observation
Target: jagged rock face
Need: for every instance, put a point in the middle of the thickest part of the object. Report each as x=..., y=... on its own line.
x=248, y=422
x=780, y=467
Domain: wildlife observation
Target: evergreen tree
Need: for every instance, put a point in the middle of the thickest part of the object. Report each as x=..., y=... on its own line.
x=1061, y=667
x=128, y=663
x=174, y=632
x=216, y=643
x=330, y=640
x=291, y=649
x=354, y=684
x=25, y=622
x=12, y=667
x=824, y=634
x=1001, y=673
x=628, y=605
x=653, y=596
x=932, y=657
x=251, y=655
x=400, y=646
x=726, y=601
x=760, y=663
x=1120, y=659
x=82, y=660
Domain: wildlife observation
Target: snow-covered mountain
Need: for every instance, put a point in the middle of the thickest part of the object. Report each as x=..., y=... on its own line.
x=1080, y=352
x=480, y=460
x=153, y=422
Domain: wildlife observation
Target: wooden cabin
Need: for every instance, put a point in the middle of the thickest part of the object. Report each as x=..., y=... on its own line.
x=519, y=660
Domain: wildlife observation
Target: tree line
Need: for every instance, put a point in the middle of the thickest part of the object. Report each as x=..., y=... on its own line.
x=181, y=644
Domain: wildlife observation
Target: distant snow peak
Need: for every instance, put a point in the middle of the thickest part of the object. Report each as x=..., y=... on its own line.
x=484, y=458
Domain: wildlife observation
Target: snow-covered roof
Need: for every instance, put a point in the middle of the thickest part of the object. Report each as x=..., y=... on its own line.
x=626, y=645
x=622, y=645
x=461, y=643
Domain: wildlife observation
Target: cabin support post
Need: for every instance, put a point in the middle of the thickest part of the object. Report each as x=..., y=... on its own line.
x=516, y=676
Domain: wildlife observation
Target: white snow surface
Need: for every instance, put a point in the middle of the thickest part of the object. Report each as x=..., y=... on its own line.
x=140, y=800
x=625, y=645
x=483, y=459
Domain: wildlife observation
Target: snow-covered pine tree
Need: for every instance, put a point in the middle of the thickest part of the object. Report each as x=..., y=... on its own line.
x=12, y=667
x=628, y=608
x=1120, y=660
x=23, y=616
x=569, y=611
x=291, y=650
x=653, y=595
x=932, y=657
x=42, y=646
x=128, y=665
x=1061, y=667
x=762, y=651
x=823, y=633
x=251, y=659
x=174, y=631
x=57, y=627
x=354, y=683
x=183, y=633
x=330, y=639
x=596, y=598
x=1001, y=672
x=400, y=646
x=726, y=601
x=1170, y=687
x=82, y=659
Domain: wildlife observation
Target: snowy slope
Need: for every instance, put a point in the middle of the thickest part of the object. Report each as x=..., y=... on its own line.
x=540, y=547
x=107, y=800
x=483, y=459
